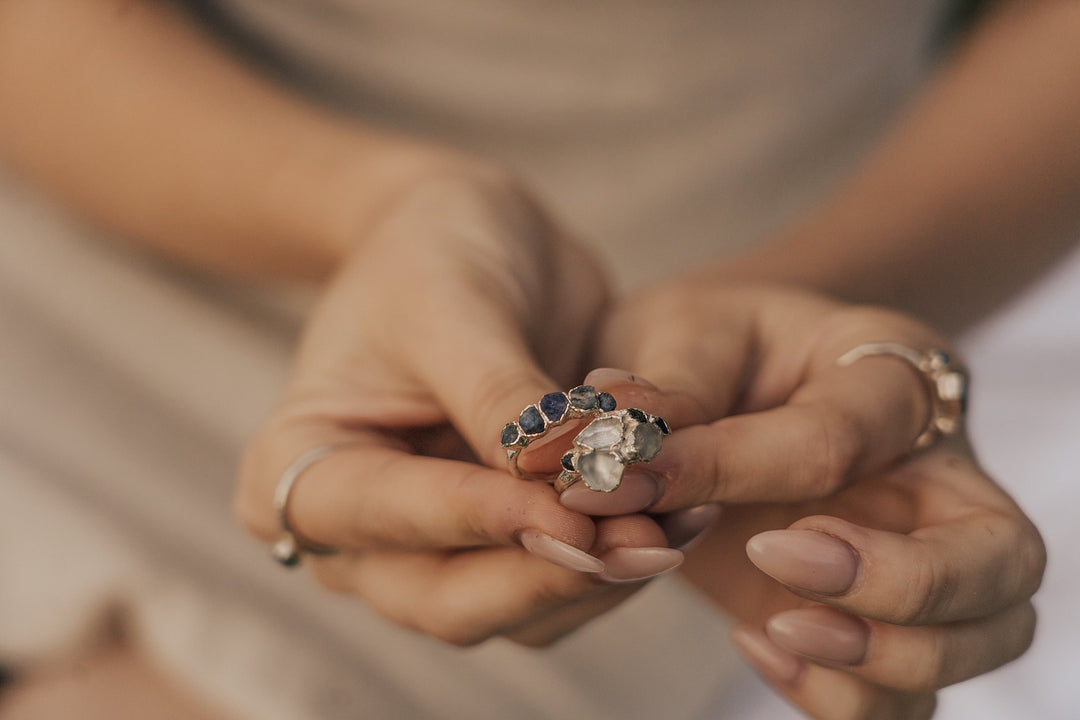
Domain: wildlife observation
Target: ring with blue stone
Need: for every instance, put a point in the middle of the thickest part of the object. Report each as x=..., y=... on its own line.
x=552, y=410
x=608, y=445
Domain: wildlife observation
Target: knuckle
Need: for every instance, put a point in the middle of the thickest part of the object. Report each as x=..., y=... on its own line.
x=833, y=448
x=1025, y=630
x=930, y=673
x=1032, y=553
x=930, y=590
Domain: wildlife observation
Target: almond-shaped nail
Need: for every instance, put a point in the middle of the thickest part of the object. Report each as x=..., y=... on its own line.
x=637, y=491
x=684, y=528
x=768, y=658
x=607, y=377
x=821, y=633
x=805, y=559
x=627, y=564
x=555, y=551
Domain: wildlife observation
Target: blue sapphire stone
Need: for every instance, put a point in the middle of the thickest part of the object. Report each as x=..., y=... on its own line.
x=531, y=421
x=583, y=397
x=606, y=401
x=511, y=433
x=554, y=405
x=637, y=415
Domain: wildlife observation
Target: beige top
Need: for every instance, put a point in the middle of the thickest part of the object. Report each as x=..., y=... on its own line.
x=661, y=131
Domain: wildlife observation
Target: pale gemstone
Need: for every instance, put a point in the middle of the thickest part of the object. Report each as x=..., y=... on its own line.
x=601, y=434
x=600, y=471
x=647, y=441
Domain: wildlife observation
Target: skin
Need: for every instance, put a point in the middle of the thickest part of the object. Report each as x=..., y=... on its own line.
x=132, y=117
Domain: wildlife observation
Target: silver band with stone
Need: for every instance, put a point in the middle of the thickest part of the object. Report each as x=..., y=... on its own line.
x=287, y=550
x=946, y=385
x=608, y=445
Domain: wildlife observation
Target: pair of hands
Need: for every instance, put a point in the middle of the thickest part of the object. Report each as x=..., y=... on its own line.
x=885, y=576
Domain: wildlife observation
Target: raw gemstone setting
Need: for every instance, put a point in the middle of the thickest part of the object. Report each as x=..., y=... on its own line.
x=511, y=434
x=603, y=433
x=554, y=406
x=647, y=441
x=601, y=471
x=606, y=401
x=531, y=421
x=583, y=397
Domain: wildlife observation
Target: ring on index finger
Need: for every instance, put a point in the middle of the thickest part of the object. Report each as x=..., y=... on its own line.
x=602, y=450
x=287, y=550
x=946, y=385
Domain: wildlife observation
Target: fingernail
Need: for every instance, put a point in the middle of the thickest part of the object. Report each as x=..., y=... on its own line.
x=684, y=528
x=626, y=564
x=805, y=559
x=613, y=376
x=768, y=658
x=555, y=551
x=637, y=491
x=821, y=633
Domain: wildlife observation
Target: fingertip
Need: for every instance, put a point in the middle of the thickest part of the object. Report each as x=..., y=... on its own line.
x=609, y=377
x=773, y=662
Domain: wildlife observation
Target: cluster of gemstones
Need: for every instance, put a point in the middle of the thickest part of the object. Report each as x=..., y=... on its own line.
x=552, y=410
x=603, y=448
x=608, y=444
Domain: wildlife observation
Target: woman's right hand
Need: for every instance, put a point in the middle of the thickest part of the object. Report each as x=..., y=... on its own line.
x=460, y=307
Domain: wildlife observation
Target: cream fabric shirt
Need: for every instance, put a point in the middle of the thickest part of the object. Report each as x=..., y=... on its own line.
x=663, y=132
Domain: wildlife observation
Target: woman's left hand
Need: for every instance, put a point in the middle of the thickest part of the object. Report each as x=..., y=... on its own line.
x=887, y=574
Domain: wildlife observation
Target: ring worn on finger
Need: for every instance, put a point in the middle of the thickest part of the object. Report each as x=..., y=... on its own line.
x=601, y=451
x=287, y=550
x=946, y=385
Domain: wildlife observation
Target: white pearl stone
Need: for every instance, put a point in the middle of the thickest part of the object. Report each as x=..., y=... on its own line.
x=601, y=471
x=601, y=434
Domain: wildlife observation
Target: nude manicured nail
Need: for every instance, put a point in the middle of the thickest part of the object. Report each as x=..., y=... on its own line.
x=821, y=633
x=685, y=527
x=556, y=551
x=626, y=564
x=771, y=660
x=805, y=559
x=637, y=491
x=607, y=377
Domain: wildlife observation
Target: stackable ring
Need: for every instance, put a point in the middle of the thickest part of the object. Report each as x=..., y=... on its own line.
x=946, y=385
x=287, y=549
x=612, y=440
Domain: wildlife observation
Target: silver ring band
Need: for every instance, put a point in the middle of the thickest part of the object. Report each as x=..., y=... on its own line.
x=287, y=549
x=946, y=385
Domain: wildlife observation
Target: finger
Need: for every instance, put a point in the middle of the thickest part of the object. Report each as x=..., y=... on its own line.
x=969, y=567
x=468, y=596
x=368, y=496
x=825, y=693
x=842, y=424
x=912, y=659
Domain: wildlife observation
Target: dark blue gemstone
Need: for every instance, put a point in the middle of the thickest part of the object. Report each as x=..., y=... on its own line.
x=510, y=434
x=554, y=405
x=637, y=415
x=606, y=401
x=531, y=422
x=583, y=397
x=662, y=424
x=568, y=461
